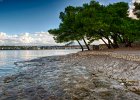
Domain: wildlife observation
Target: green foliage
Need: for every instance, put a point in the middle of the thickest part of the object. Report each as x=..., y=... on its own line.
x=94, y=21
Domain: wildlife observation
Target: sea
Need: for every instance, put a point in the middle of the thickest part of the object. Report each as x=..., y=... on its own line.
x=9, y=57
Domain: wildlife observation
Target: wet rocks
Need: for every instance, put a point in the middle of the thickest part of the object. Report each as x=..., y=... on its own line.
x=9, y=79
x=81, y=76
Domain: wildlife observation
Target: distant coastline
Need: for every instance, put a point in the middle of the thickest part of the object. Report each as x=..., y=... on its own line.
x=37, y=47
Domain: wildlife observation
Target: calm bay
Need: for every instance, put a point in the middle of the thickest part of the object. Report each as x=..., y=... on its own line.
x=8, y=57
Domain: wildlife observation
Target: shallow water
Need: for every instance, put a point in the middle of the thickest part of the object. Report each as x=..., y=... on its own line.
x=8, y=57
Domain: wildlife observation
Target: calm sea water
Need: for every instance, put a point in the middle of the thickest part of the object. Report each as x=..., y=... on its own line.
x=8, y=57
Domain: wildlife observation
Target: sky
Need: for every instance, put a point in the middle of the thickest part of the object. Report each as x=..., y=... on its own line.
x=19, y=16
x=27, y=18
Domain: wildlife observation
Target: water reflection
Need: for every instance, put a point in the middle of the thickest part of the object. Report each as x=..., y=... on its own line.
x=8, y=57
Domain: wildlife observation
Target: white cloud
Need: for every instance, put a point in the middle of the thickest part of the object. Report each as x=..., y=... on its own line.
x=138, y=1
x=131, y=7
x=131, y=14
x=38, y=38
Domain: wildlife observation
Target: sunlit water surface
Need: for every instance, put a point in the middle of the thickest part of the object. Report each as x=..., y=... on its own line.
x=8, y=57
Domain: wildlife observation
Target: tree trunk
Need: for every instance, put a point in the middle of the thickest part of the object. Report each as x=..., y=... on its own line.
x=109, y=41
x=86, y=44
x=108, y=45
x=115, y=44
x=80, y=45
x=128, y=43
x=120, y=38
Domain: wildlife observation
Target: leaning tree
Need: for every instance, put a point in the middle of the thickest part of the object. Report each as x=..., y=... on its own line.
x=67, y=31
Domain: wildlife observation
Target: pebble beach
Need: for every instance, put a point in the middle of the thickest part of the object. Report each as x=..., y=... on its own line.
x=89, y=75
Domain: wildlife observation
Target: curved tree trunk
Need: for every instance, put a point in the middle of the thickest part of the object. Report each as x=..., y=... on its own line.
x=86, y=44
x=110, y=42
x=80, y=45
x=108, y=45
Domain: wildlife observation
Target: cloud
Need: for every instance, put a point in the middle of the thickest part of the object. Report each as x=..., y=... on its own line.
x=138, y=1
x=35, y=39
x=131, y=7
x=131, y=14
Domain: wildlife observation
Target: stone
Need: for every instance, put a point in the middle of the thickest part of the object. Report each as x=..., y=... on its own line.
x=9, y=79
x=116, y=77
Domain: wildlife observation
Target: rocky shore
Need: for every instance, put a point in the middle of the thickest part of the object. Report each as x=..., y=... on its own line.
x=94, y=75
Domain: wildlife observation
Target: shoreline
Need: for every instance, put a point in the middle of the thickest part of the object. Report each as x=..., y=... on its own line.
x=91, y=74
